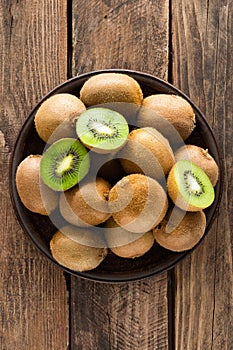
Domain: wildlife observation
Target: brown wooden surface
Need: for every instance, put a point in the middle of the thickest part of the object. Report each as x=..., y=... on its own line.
x=39, y=311
x=33, y=295
x=203, y=69
x=117, y=34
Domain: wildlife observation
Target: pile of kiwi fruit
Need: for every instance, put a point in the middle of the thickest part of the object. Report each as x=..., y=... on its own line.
x=119, y=170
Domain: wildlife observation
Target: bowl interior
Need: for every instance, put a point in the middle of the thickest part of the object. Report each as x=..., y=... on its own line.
x=40, y=228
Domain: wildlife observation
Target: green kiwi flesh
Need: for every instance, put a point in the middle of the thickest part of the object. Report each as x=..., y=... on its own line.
x=102, y=130
x=189, y=187
x=64, y=164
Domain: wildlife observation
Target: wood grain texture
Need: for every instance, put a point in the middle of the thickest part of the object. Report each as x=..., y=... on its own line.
x=120, y=34
x=33, y=295
x=202, y=67
x=123, y=317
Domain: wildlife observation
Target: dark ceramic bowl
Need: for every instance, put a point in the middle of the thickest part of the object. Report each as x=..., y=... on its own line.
x=40, y=228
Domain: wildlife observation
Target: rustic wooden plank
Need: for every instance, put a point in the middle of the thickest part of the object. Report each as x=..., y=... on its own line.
x=120, y=34
x=33, y=296
x=202, y=67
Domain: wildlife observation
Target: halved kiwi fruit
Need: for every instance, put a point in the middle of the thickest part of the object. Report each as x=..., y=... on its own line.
x=111, y=87
x=200, y=157
x=147, y=151
x=182, y=232
x=34, y=194
x=102, y=130
x=64, y=164
x=86, y=204
x=69, y=251
x=189, y=187
x=175, y=109
x=53, y=119
x=124, y=243
x=138, y=203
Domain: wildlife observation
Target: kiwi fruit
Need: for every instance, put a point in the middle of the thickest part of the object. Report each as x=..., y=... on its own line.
x=175, y=109
x=34, y=194
x=189, y=187
x=138, y=203
x=64, y=164
x=67, y=250
x=180, y=234
x=102, y=130
x=124, y=243
x=54, y=117
x=200, y=157
x=147, y=151
x=86, y=204
x=111, y=87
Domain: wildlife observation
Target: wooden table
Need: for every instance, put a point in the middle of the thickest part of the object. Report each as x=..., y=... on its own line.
x=190, y=44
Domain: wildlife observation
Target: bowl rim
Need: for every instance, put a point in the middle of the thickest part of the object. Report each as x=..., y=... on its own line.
x=88, y=275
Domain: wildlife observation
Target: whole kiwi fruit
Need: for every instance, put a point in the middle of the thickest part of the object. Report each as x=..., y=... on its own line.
x=174, y=109
x=86, y=204
x=200, y=157
x=67, y=250
x=54, y=117
x=34, y=194
x=147, y=151
x=138, y=203
x=180, y=231
x=111, y=87
x=124, y=243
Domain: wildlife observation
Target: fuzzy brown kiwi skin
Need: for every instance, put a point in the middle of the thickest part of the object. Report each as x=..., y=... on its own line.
x=111, y=87
x=200, y=157
x=69, y=253
x=159, y=150
x=53, y=119
x=124, y=243
x=75, y=209
x=34, y=194
x=185, y=234
x=175, y=109
x=138, y=203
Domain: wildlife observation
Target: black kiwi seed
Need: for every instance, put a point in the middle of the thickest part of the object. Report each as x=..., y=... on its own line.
x=64, y=164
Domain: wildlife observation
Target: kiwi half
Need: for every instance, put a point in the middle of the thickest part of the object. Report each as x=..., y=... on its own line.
x=86, y=204
x=53, y=119
x=34, y=194
x=200, y=157
x=180, y=234
x=64, y=164
x=189, y=187
x=138, y=203
x=111, y=87
x=67, y=250
x=102, y=129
